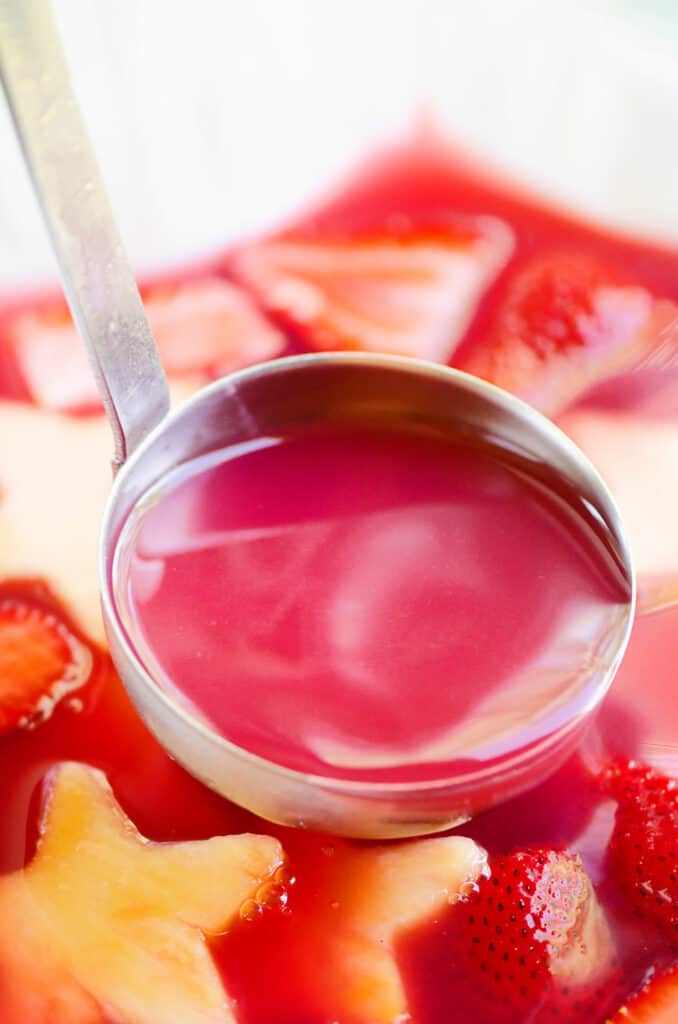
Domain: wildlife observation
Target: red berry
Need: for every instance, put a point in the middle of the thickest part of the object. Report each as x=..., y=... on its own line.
x=553, y=306
x=531, y=941
x=40, y=660
x=655, y=1003
x=567, y=323
x=643, y=850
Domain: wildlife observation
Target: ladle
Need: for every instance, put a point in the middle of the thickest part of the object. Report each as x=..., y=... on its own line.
x=262, y=400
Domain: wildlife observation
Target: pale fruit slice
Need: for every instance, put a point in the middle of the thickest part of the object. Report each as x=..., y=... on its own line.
x=207, y=328
x=638, y=457
x=35, y=986
x=381, y=892
x=55, y=477
x=124, y=919
x=409, y=292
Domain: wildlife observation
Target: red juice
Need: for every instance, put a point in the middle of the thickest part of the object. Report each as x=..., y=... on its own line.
x=281, y=966
x=369, y=604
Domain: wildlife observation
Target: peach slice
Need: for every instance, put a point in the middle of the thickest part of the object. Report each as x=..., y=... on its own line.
x=55, y=476
x=114, y=926
x=638, y=457
x=379, y=893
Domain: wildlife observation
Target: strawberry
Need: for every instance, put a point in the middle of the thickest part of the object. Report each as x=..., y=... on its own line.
x=643, y=850
x=40, y=662
x=209, y=327
x=532, y=940
x=398, y=289
x=655, y=1003
x=566, y=325
x=206, y=327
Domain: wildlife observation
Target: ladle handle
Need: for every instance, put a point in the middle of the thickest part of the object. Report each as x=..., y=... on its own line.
x=95, y=273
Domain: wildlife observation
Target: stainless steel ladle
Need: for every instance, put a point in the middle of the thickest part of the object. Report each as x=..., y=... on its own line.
x=265, y=399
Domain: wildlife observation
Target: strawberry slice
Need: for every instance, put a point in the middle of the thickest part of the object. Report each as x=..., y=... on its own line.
x=401, y=290
x=655, y=1003
x=532, y=943
x=643, y=849
x=207, y=327
x=567, y=325
x=40, y=662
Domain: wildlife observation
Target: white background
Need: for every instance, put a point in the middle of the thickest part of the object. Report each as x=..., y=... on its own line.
x=217, y=117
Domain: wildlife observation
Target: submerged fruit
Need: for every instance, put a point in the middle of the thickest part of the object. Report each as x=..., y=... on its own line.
x=118, y=922
x=397, y=290
x=643, y=850
x=656, y=1003
x=204, y=328
x=532, y=943
x=41, y=660
x=377, y=895
x=566, y=325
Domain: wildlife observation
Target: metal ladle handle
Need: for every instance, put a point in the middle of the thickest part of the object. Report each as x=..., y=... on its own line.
x=96, y=276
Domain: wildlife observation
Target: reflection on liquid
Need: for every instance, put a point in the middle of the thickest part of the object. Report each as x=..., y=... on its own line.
x=367, y=604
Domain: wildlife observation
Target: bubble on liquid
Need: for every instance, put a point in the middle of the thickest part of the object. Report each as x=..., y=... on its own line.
x=250, y=910
x=283, y=876
x=75, y=704
x=274, y=894
x=466, y=890
x=267, y=894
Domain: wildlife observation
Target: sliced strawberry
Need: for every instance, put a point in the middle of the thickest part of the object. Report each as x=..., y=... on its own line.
x=567, y=325
x=643, y=850
x=207, y=327
x=40, y=662
x=656, y=1003
x=52, y=359
x=402, y=290
x=532, y=941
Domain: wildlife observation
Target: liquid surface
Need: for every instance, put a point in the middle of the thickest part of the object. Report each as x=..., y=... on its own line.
x=280, y=968
x=368, y=602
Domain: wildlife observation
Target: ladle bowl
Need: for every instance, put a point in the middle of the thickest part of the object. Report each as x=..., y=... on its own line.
x=288, y=394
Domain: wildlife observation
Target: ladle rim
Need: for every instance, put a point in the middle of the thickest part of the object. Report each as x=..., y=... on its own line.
x=537, y=422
